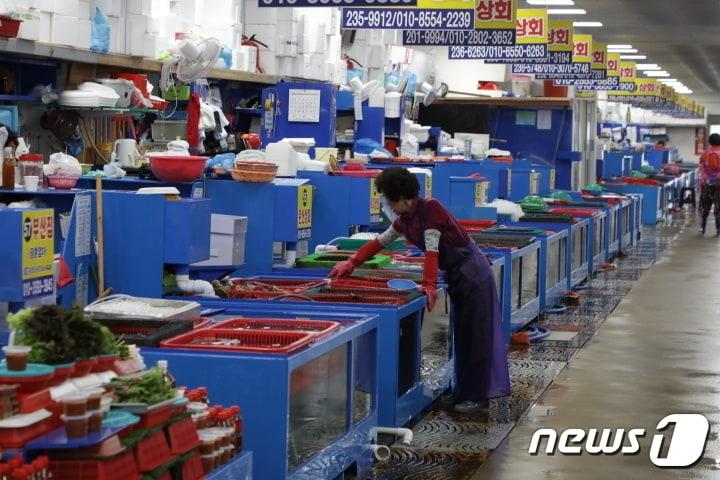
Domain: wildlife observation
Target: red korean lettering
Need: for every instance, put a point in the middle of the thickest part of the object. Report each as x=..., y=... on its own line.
x=560, y=36
x=581, y=49
x=484, y=10
x=599, y=56
x=536, y=27
x=521, y=29
x=612, y=65
x=503, y=9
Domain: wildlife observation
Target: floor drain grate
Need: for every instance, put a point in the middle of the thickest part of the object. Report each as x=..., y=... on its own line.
x=464, y=437
x=414, y=464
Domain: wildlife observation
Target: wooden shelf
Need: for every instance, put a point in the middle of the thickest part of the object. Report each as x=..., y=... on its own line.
x=536, y=102
x=69, y=54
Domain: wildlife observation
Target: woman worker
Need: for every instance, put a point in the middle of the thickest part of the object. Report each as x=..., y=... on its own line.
x=710, y=183
x=481, y=370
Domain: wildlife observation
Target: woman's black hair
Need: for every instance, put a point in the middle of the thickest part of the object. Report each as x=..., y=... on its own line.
x=397, y=183
x=714, y=140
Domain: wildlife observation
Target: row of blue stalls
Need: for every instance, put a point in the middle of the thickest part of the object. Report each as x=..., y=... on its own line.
x=313, y=413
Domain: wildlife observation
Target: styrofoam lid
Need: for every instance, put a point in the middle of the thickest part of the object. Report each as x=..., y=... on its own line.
x=101, y=90
x=158, y=191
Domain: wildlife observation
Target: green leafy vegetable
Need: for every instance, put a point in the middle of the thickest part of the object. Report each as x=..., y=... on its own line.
x=152, y=387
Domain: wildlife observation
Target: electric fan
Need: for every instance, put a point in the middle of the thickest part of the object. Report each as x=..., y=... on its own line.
x=190, y=62
x=361, y=92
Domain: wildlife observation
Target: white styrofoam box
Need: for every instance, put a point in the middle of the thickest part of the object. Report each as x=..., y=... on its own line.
x=46, y=6
x=154, y=45
x=227, y=240
x=188, y=10
x=117, y=34
x=290, y=28
x=135, y=43
x=45, y=23
x=245, y=58
x=237, y=36
x=62, y=30
x=376, y=56
x=138, y=24
x=267, y=16
x=68, y=8
x=335, y=21
x=138, y=7
x=217, y=11
x=269, y=62
x=375, y=37
x=167, y=25
x=267, y=34
x=334, y=49
x=287, y=67
x=83, y=34
x=110, y=8
x=30, y=29
x=303, y=65
x=317, y=66
x=83, y=12
x=222, y=31
x=159, y=8
x=340, y=74
x=313, y=43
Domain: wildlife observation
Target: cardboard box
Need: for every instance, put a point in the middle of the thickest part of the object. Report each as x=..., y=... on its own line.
x=63, y=30
x=227, y=240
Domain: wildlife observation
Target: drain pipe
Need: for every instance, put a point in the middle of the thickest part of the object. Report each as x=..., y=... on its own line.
x=381, y=452
x=197, y=287
x=405, y=433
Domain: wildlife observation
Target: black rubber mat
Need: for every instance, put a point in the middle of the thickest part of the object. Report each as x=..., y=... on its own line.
x=414, y=464
x=464, y=437
x=542, y=353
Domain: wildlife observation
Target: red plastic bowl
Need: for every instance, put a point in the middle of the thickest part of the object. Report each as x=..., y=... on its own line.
x=63, y=182
x=177, y=168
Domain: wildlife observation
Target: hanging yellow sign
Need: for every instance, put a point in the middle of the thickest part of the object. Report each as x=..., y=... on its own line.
x=613, y=64
x=582, y=48
x=495, y=14
x=447, y=4
x=560, y=36
x=532, y=26
x=628, y=71
x=599, y=56
x=374, y=199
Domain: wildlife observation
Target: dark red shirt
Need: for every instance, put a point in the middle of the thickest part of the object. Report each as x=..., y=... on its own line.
x=434, y=217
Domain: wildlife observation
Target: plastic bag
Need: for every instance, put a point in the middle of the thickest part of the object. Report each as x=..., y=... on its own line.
x=62, y=164
x=225, y=161
x=100, y=33
x=505, y=207
x=366, y=146
x=113, y=170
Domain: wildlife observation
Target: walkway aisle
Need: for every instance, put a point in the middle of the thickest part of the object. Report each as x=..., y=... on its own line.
x=658, y=353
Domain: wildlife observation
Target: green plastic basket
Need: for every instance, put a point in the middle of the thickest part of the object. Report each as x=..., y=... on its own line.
x=177, y=93
x=356, y=244
x=324, y=260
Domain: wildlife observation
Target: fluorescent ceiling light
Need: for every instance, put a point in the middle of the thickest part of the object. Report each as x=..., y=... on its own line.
x=634, y=57
x=661, y=73
x=614, y=47
x=669, y=81
x=622, y=50
x=551, y=2
x=566, y=11
x=685, y=91
x=646, y=66
x=587, y=24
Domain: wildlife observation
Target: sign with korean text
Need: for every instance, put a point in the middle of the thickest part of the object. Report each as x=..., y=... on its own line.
x=407, y=19
x=599, y=61
x=495, y=14
x=582, y=48
x=530, y=38
x=613, y=65
x=589, y=85
x=579, y=68
x=304, y=210
x=628, y=72
x=375, y=206
x=423, y=4
x=560, y=34
x=38, y=249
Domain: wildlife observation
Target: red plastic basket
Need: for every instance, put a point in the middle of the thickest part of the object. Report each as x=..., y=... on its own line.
x=192, y=468
x=12, y=438
x=286, y=285
x=476, y=225
x=83, y=367
x=32, y=402
x=155, y=417
x=9, y=26
x=182, y=436
x=61, y=374
x=202, y=322
x=104, y=363
x=121, y=467
x=247, y=341
x=316, y=327
x=351, y=298
x=359, y=283
x=575, y=212
x=361, y=292
x=152, y=452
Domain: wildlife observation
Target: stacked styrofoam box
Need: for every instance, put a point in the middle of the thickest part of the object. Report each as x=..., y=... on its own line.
x=278, y=29
x=30, y=29
x=63, y=30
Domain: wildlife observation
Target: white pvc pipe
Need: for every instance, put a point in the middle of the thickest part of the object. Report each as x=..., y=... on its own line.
x=405, y=433
x=381, y=452
x=197, y=287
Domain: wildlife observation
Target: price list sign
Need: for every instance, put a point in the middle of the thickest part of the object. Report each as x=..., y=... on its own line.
x=560, y=44
x=531, y=38
x=493, y=26
x=38, y=249
x=581, y=66
x=422, y=20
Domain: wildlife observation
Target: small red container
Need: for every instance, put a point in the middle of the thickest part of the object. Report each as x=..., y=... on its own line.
x=31, y=402
x=182, y=436
x=177, y=169
x=139, y=79
x=104, y=363
x=83, y=367
x=63, y=182
x=9, y=26
x=316, y=327
x=554, y=91
x=15, y=438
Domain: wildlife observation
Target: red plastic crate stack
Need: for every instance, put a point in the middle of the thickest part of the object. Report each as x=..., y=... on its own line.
x=152, y=452
x=121, y=467
x=254, y=341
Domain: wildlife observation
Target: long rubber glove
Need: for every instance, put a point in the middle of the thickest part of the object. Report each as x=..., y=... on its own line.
x=429, y=281
x=365, y=253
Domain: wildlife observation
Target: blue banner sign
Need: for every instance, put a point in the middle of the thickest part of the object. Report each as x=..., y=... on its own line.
x=550, y=69
x=446, y=38
x=507, y=54
x=337, y=3
x=610, y=83
x=599, y=74
x=557, y=58
x=407, y=19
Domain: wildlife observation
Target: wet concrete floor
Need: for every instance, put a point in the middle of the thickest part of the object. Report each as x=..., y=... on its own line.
x=658, y=353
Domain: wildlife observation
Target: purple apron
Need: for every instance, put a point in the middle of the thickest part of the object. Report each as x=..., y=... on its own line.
x=479, y=354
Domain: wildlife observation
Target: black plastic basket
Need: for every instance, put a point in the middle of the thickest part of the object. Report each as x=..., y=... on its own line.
x=547, y=218
x=147, y=333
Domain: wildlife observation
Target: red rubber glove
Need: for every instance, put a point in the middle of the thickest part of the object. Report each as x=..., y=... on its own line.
x=365, y=253
x=429, y=281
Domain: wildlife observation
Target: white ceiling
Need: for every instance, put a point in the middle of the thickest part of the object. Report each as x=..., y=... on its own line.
x=682, y=36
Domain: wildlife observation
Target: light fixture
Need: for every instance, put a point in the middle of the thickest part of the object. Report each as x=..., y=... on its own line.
x=633, y=57
x=587, y=24
x=551, y=2
x=668, y=81
x=622, y=50
x=614, y=47
x=645, y=66
x=684, y=91
x=661, y=73
x=566, y=11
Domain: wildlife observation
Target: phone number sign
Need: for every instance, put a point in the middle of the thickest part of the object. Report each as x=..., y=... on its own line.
x=406, y=19
x=38, y=249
